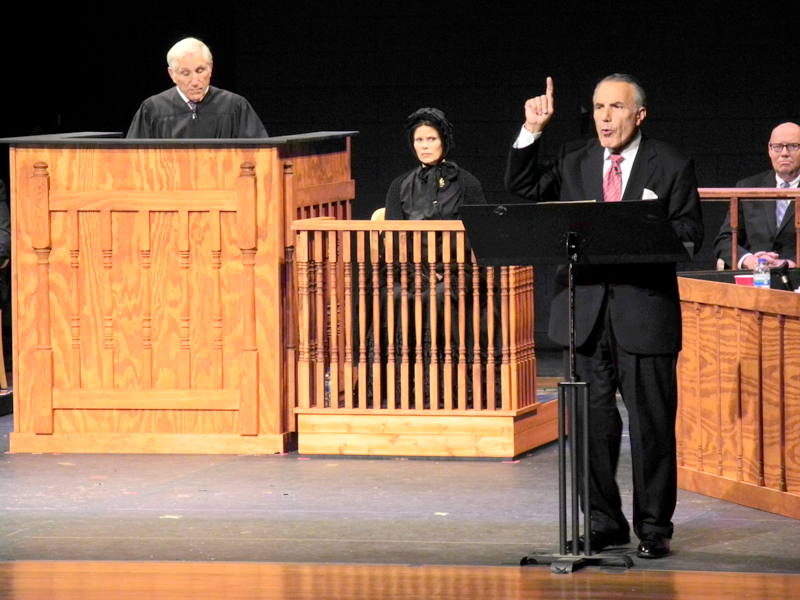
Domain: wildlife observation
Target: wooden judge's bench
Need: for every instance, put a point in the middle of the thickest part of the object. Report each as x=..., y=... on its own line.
x=148, y=288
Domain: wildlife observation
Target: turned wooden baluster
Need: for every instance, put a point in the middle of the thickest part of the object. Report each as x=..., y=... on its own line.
x=347, y=259
x=391, y=366
x=247, y=235
x=462, y=322
x=319, y=312
x=41, y=243
x=185, y=360
x=304, y=322
x=147, y=299
x=362, y=319
x=216, y=306
x=375, y=255
x=333, y=315
x=735, y=233
x=491, y=397
x=419, y=377
x=505, y=369
x=73, y=242
x=448, y=321
x=434, y=323
x=513, y=318
x=404, y=367
x=477, y=388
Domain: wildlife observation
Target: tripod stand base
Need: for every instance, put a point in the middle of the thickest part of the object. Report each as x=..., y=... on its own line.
x=562, y=564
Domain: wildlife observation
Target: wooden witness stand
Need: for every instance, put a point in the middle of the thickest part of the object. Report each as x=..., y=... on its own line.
x=361, y=276
x=738, y=427
x=148, y=298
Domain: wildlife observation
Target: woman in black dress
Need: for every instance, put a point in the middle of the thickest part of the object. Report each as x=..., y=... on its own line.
x=434, y=190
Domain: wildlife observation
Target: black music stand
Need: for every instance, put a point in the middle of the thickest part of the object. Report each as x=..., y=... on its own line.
x=572, y=233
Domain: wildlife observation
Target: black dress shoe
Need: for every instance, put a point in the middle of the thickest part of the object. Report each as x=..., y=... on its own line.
x=653, y=545
x=602, y=539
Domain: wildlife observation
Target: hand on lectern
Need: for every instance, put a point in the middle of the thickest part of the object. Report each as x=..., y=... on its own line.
x=539, y=110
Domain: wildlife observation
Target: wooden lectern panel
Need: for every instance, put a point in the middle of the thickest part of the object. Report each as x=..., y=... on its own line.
x=148, y=295
x=738, y=426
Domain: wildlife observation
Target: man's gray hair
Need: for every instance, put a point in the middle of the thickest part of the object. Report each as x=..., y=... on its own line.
x=640, y=98
x=186, y=46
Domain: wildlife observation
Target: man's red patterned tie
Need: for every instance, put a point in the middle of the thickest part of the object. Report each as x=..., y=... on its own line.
x=612, y=183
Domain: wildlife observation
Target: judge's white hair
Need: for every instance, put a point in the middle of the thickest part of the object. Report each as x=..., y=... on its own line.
x=186, y=46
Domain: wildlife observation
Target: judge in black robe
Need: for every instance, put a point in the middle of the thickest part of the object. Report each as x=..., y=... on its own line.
x=193, y=108
x=221, y=114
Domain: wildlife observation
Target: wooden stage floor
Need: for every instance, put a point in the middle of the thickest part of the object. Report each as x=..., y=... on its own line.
x=198, y=581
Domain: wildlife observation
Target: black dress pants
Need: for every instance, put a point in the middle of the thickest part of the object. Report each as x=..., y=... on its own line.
x=649, y=390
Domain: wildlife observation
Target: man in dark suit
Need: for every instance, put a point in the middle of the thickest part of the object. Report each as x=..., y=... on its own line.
x=628, y=321
x=766, y=229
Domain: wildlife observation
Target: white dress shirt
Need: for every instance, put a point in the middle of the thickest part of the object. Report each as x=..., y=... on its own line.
x=526, y=138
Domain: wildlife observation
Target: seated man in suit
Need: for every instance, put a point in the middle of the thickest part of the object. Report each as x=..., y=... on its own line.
x=766, y=229
x=194, y=108
x=628, y=317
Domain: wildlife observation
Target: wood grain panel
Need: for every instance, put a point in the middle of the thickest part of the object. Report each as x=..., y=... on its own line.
x=92, y=299
x=137, y=200
x=750, y=358
x=140, y=252
x=729, y=418
x=132, y=421
x=231, y=296
x=201, y=310
x=772, y=406
x=126, y=291
x=688, y=373
x=791, y=442
x=165, y=289
x=152, y=443
x=746, y=397
x=708, y=399
x=61, y=305
x=145, y=399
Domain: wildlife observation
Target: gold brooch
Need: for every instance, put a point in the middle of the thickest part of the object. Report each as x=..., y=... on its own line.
x=441, y=182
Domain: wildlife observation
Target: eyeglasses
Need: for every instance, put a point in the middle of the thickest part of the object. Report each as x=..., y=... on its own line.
x=779, y=147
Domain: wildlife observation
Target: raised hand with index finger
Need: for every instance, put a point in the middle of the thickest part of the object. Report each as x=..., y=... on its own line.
x=539, y=110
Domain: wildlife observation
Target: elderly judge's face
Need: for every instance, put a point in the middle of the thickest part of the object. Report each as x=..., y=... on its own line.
x=428, y=145
x=192, y=75
x=785, y=161
x=616, y=114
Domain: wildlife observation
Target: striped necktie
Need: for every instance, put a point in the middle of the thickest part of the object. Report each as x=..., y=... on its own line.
x=780, y=207
x=193, y=106
x=612, y=183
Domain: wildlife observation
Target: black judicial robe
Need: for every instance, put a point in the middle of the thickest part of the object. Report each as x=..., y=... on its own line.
x=221, y=114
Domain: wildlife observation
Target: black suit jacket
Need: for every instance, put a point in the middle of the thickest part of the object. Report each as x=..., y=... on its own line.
x=643, y=299
x=758, y=229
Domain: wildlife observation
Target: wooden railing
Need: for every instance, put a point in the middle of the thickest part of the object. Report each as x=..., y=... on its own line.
x=735, y=195
x=373, y=337
x=739, y=395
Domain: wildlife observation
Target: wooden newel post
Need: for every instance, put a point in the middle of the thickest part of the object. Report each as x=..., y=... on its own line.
x=247, y=235
x=734, y=232
x=290, y=301
x=797, y=231
x=40, y=240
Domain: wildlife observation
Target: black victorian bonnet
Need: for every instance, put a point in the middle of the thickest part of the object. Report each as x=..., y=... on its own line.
x=432, y=117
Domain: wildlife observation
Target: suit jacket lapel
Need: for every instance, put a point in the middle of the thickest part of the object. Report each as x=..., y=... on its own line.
x=788, y=216
x=643, y=169
x=592, y=174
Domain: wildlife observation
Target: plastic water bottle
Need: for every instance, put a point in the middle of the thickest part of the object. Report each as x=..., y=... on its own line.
x=328, y=387
x=761, y=275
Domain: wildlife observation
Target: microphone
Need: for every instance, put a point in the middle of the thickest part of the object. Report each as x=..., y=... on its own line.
x=783, y=275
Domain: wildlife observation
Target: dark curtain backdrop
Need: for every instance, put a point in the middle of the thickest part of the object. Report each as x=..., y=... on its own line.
x=719, y=75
